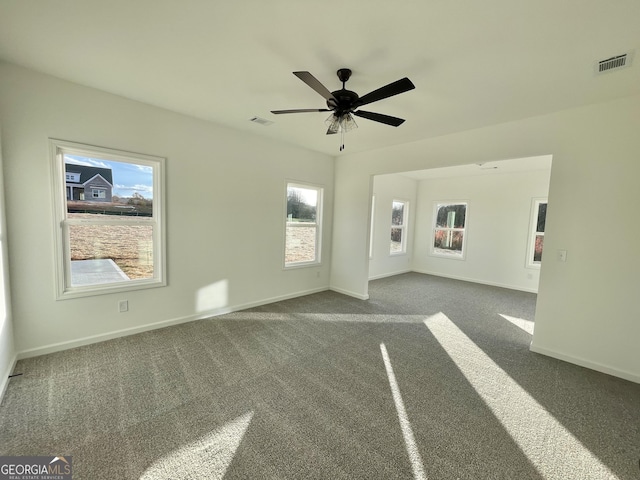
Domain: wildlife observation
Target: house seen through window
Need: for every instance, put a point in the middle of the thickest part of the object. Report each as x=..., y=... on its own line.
x=109, y=220
x=303, y=225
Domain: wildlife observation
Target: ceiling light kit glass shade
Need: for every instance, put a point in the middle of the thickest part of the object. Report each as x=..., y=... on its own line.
x=340, y=124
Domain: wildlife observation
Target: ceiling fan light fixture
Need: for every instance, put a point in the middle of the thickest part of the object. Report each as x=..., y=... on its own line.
x=340, y=123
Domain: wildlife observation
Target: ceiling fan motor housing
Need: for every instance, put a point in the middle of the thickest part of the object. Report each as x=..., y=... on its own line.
x=346, y=101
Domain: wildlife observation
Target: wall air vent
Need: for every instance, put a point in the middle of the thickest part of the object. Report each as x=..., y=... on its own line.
x=261, y=121
x=614, y=63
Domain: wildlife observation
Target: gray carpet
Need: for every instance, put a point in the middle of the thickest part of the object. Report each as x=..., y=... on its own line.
x=300, y=389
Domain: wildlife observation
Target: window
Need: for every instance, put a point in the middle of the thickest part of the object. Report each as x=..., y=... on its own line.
x=109, y=220
x=303, y=225
x=373, y=211
x=449, y=228
x=398, y=227
x=536, y=237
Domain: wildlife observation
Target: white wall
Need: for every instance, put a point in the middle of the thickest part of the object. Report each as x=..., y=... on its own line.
x=225, y=211
x=7, y=350
x=386, y=189
x=497, y=227
x=587, y=310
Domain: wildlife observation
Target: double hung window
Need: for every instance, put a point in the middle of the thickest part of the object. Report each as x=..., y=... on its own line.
x=536, y=237
x=449, y=229
x=109, y=219
x=303, y=225
x=399, y=210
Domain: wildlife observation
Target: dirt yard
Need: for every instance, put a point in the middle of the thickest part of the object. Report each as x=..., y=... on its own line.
x=300, y=244
x=129, y=246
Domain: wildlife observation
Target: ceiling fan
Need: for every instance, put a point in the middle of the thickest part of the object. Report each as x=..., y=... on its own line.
x=345, y=103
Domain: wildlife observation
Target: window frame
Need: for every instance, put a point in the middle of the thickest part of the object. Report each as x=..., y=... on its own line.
x=402, y=227
x=64, y=290
x=372, y=225
x=432, y=249
x=533, y=232
x=317, y=225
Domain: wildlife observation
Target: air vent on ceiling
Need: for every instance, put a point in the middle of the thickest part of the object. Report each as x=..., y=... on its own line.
x=614, y=63
x=261, y=121
x=484, y=166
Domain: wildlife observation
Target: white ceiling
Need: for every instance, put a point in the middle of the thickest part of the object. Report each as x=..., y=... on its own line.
x=473, y=63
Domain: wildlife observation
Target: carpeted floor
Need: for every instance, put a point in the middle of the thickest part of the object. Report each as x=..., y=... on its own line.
x=430, y=378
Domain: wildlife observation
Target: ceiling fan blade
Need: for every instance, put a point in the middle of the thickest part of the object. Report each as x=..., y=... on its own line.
x=395, y=88
x=303, y=110
x=379, y=117
x=331, y=131
x=314, y=83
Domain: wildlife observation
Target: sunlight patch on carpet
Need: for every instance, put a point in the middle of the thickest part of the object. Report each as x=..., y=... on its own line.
x=526, y=325
x=548, y=445
x=207, y=457
x=405, y=425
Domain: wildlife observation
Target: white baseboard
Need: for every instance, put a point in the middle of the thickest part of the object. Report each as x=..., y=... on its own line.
x=79, y=342
x=349, y=293
x=5, y=376
x=384, y=275
x=280, y=298
x=582, y=362
x=482, y=282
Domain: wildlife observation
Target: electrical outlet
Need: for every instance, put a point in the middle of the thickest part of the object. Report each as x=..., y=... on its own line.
x=562, y=255
x=123, y=306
